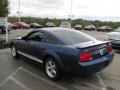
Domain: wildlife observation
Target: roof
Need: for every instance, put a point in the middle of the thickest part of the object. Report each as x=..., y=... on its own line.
x=78, y=25
x=105, y=27
x=90, y=26
x=50, y=24
x=52, y=29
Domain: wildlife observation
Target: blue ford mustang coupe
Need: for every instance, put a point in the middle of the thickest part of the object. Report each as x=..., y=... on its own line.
x=63, y=51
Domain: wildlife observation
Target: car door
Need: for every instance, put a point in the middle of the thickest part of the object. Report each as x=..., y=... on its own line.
x=28, y=46
x=38, y=44
x=24, y=44
x=34, y=43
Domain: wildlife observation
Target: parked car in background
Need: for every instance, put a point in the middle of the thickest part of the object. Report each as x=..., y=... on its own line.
x=62, y=51
x=14, y=27
x=78, y=27
x=90, y=27
x=65, y=24
x=105, y=29
x=114, y=37
x=21, y=25
x=50, y=24
x=3, y=28
x=35, y=25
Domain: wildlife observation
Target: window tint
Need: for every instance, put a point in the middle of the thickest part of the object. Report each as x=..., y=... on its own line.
x=72, y=36
x=51, y=39
x=36, y=36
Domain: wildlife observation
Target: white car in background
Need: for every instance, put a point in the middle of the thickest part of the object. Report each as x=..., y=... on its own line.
x=114, y=37
x=65, y=24
x=50, y=24
x=78, y=27
x=90, y=27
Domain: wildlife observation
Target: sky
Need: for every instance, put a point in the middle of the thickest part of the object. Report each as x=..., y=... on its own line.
x=105, y=10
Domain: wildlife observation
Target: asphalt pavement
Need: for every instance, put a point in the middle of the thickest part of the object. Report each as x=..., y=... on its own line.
x=22, y=74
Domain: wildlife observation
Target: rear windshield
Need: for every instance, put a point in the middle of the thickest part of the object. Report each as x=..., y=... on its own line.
x=72, y=36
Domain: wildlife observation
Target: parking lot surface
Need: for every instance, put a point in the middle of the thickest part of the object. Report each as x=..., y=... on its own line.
x=22, y=74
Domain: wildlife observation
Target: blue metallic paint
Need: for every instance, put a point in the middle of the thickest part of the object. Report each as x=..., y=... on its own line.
x=66, y=55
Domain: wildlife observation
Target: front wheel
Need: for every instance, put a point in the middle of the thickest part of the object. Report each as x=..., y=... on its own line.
x=14, y=52
x=52, y=69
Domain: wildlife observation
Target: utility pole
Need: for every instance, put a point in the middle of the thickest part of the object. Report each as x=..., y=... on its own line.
x=6, y=24
x=71, y=13
x=19, y=12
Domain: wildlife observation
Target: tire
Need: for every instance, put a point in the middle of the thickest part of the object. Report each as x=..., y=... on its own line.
x=14, y=52
x=52, y=69
x=1, y=31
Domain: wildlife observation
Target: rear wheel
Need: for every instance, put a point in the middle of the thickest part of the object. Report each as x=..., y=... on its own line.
x=52, y=69
x=14, y=52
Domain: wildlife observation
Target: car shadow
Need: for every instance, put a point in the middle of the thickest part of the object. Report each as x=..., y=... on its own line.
x=117, y=51
x=32, y=63
x=71, y=82
x=68, y=77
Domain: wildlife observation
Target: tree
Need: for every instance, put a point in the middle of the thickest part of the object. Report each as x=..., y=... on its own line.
x=4, y=8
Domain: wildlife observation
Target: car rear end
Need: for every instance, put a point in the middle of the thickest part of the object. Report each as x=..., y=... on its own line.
x=83, y=53
x=95, y=57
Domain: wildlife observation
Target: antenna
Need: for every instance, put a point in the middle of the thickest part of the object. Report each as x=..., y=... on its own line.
x=71, y=12
x=19, y=12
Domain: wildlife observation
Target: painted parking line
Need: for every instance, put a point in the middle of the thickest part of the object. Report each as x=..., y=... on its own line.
x=44, y=80
x=63, y=88
x=101, y=82
x=79, y=87
x=1, y=84
x=19, y=83
x=50, y=82
x=89, y=84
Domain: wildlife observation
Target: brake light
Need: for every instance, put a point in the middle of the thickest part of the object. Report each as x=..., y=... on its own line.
x=109, y=48
x=85, y=56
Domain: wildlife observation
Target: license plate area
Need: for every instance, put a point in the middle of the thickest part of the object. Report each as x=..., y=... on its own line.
x=99, y=53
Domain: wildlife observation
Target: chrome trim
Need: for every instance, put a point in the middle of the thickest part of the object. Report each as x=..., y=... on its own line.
x=31, y=57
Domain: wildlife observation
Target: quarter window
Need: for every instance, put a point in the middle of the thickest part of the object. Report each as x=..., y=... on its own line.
x=51, y=39
x=36, y=36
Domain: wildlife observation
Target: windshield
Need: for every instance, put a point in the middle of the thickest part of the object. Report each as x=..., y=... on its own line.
x=72, y=37
x=65, y=23
x=36, y=24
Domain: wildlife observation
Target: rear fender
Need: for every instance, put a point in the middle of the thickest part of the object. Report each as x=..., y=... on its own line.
x=52, y=54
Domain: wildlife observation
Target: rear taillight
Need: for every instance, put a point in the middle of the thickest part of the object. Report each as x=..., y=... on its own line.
x=109, y=48
x=85, y=56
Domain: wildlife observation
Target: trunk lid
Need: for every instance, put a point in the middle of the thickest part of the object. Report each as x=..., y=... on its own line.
x=97, y=48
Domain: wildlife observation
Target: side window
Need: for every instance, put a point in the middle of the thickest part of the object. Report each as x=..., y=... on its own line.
x=36, y=36
x=51, y=39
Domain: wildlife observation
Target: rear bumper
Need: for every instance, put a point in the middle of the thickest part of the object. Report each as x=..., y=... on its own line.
x=95, y=68
x=92, y=66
